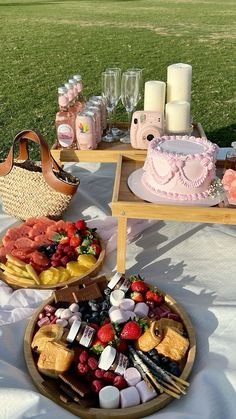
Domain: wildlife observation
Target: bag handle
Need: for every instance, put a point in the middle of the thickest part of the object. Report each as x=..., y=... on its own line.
x=47, y=161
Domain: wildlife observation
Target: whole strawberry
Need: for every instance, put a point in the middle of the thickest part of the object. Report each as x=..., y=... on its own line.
x=80, y=224
x=137, y=297
x=153, y=295
x=106, y=333
x=131, y=331
x=137, y=284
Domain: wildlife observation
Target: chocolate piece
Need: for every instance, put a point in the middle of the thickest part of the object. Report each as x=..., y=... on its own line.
x=76, y=384
x=69, y=392
x=65, y=399
x=74, y=294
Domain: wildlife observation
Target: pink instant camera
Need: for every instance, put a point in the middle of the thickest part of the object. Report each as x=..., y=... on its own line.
x=145, y=126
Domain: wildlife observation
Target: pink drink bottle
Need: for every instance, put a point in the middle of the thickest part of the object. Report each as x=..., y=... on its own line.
x=71, y=96
x=65, y=122
x=101, y=101
x=80, y=99
x=97, y=117
x=85, y=131
x=76, y=104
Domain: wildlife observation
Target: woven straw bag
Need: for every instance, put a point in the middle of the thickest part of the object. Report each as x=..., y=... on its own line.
x=31, y=190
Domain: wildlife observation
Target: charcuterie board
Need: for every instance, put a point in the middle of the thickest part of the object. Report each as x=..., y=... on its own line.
x=51, y=388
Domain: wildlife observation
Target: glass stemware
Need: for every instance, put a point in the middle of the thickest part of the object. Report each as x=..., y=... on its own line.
x=139, y=72
x=130, y=94
x=111, y=94
x=115, y=131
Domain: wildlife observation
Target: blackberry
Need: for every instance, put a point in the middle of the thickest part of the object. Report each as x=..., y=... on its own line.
x=103, y=314
x=105, y=305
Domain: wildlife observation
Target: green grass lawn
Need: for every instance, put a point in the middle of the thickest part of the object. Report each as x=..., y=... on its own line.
x=43, y=42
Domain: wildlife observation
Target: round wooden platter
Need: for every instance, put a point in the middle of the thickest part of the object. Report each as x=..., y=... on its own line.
x=21, y=283
x=135, y=412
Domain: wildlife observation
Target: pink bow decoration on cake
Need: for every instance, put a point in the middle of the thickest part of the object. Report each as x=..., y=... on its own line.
x=229, y=183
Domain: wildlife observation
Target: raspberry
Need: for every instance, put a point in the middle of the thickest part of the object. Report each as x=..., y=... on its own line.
x=83, y=357
x=120, y=382
x=109, y=376
x=97, y=385
x=92, y=363
x=99, y=373
x=82, y=368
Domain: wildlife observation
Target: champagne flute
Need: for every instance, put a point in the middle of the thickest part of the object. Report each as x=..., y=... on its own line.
x=115, y=131
x=129, y=97
x=110, y=92
x=138, y=71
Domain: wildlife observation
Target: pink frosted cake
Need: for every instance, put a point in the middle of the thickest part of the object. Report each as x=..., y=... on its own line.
x=180, y=167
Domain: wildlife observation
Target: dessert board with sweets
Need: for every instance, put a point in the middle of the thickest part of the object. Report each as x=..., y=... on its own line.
x=102, y=349
x=48, y=254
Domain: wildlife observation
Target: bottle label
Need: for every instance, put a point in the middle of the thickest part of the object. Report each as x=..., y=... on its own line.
x=65, y=135
x=87, y=336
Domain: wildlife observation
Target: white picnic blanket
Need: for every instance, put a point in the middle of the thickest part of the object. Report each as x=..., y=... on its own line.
x=195, y=263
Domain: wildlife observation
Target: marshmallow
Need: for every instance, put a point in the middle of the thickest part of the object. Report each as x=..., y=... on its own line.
x=58, y=312
x=141, y=309
x=109, y=397
x=129, y=315
x=129, y=397
x=74, y=307
x=132, y=376
x=118, y=316
x=145, y=392
x=76, y=316
x=116, y=296
x=66, y=314
x=127, y=304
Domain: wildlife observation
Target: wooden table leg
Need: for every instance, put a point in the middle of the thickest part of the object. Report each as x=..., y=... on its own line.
x=121, y=244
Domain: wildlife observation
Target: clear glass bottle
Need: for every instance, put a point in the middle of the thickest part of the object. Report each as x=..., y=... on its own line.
x=65, y=122
x=80, y=99
x=230, y=160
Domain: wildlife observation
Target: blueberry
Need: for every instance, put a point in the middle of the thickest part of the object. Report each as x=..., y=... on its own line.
x=94, y=307
x=87, y=317
x=94, y=318
x=105, y=305
x=42, y=249
x=107, y=291
x=174, y=369
x=103, y=314
x=153, y=352
x=164, y=362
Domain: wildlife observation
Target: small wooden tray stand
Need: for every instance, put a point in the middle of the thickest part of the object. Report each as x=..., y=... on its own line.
x=126, y=205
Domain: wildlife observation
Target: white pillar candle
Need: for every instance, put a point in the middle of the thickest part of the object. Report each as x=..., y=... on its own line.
x=154, y=96
x=178, y=117
x=179, y=79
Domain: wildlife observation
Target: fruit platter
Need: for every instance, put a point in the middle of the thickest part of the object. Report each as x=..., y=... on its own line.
x=117, y=347
x=44, y=253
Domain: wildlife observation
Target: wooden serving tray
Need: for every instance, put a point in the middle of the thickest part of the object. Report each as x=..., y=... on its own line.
x=127, y=205
x=16, y=283
x=135, y=412
x=108, y=152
